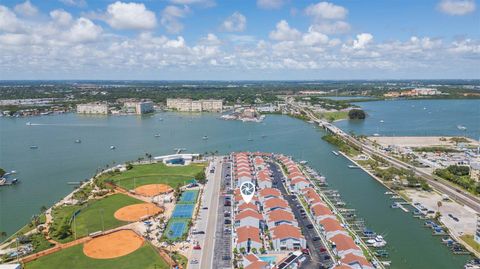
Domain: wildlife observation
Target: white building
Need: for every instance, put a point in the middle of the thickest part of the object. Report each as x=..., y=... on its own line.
x=189, y=105
x=138, y=107
x=93, y=108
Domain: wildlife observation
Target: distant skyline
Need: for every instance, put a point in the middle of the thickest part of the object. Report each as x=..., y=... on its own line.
x=239, y=40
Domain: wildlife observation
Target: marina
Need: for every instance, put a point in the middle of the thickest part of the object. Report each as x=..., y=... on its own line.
x=353, y=184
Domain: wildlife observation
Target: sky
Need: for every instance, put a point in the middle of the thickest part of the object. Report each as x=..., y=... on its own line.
x=239, y=39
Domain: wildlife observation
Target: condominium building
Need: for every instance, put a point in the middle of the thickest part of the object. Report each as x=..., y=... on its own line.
x=189, y=105
x=138, y=107
x=93, y=108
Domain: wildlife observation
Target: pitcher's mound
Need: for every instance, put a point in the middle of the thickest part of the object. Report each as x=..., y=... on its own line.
x=113, y=245
x=153, y=189
x=137, y=212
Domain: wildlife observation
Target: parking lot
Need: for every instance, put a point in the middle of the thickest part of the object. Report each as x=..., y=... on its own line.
x=319, y=257
x=223, y=236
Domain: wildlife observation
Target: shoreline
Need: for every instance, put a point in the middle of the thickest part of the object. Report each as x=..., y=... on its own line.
x=451, y=234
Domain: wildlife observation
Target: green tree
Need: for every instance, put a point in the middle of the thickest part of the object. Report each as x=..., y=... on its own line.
x=356, y=114
x=2, y=172
x=201, y=177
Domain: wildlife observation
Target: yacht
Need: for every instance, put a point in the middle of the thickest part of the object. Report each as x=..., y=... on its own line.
x=78, y=141
x=381, y=121
x=157, y=135
x=112, y=147
x=353, y=166
x=33, y=147
x=205, y=137
x=376, y=134
x=377, y=242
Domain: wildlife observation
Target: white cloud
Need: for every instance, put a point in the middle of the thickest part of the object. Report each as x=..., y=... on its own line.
x=313, y=38
x=171, y=16
x=8, y=20
x=74, y=3
x=83, y=30
x=236, y=22
x=210, y=39
x=337, y=27
x=284, y=32
x=26, y=9
x=456, y=7
x=270, y=4
x=61, y=17
x=326, y=11
x=362, y=40
x=122, y=15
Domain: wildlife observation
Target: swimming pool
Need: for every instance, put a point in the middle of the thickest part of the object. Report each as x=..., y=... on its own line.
x=183, y=211
x=268, y=259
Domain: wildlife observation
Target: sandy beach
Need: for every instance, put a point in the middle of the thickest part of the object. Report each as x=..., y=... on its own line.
x=416, y=141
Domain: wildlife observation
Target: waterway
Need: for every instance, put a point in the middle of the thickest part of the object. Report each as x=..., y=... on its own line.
x=45, y=171
x=417, y=118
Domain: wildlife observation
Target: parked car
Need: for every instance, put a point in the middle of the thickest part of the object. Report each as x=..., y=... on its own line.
x=316, y=238
x=194, y=261
x=309, y=226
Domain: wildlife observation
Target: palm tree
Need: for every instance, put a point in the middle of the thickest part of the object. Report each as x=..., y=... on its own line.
x=439, y=204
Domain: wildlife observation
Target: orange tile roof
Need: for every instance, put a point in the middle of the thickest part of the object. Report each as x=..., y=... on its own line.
x=297, y=180
x=269, y=191
x=320, y=209
x=331, y=225
x=352, y=258
x=278, y=215
x=246, y=232
x=247, y=205
x=274, y=202
x=259, y=264
x=286, y=231
x=248, y=213
x=344, y=242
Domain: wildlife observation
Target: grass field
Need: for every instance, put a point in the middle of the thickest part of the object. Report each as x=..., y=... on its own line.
x=154, y=174
x=334, y=115
x=73, y=258
x=90, y=218
x=471, y=241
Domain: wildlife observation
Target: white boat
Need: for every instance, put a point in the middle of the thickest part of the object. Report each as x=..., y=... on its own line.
x=157, y=135
x=205, y=137
x=381, y=121
x=353, y=166
x=388, y=192
x=461, y=127
x=334, y=152
x=33, y=147
x=377, y=242
x=78, y=141
x=28, y=123
x=303, y=162
x=376, y=134
x=112, y=147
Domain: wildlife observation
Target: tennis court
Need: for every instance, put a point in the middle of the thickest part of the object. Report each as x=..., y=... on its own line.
x=183, y=211
x=176, y=228
x=188, y=197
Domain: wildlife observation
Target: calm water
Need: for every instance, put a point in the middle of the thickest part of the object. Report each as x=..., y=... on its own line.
x=417, y=118
x=45, y=172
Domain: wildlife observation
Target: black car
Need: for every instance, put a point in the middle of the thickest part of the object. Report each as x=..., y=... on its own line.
x=227, y=221
x=316, y=238
x=309, y=226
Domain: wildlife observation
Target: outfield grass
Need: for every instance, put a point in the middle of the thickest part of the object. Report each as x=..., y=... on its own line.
x=73, y=258
x=155, y=173
x=89, y=220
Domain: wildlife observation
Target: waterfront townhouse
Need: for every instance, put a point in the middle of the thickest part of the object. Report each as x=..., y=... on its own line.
x=275, y=204
x=311, y=195
x=343, y=244
x=299, y=183
x=353, y=262
x=264, y=179
x=268, y=193
x=332, y=227
x=287, y=237
x=248, y=237
x=251, y=261
x=320, y=212
x=245, y=206
x=248, y=217
x=278, y=217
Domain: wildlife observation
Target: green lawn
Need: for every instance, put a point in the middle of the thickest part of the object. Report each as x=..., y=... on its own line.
x=471, y=241
x=73, y=258
x=89, y=220
x=334, y=115
x=155, y=173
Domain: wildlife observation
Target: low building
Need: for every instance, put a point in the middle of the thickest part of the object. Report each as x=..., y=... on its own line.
x=189, y=105
x=93, y=108
x=248, y=237
x=248, y=217
x=287, y=237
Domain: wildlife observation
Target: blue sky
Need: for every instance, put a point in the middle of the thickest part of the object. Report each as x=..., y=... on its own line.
x=263, y=39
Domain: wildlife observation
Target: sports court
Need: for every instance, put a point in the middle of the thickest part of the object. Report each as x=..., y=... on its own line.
x=183, y=211
x=176, y=228
x=188, y=197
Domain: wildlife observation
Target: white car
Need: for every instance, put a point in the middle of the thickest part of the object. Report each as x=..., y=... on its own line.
x=194, y=261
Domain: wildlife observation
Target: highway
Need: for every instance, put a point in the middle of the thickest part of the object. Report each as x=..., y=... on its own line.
x=438, y=184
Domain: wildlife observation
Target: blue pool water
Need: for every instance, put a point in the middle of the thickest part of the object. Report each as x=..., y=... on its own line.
x=183, y=211
x=269, y=259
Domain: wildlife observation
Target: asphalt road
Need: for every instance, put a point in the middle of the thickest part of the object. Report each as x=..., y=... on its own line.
x=317, y=258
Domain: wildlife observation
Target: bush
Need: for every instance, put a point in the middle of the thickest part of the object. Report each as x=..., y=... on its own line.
x=356, y=114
